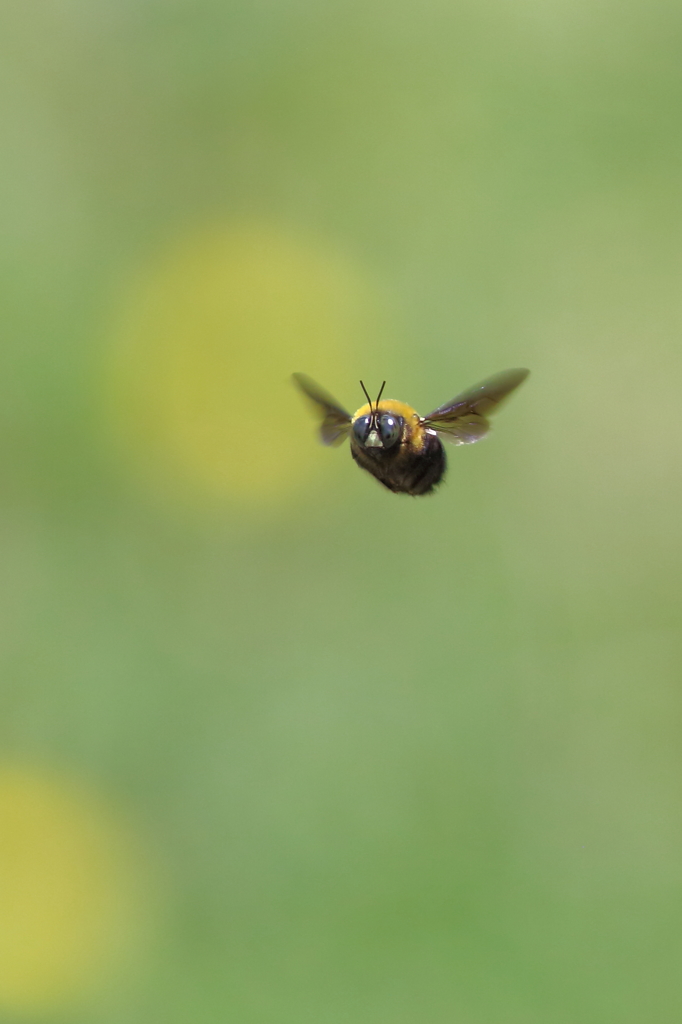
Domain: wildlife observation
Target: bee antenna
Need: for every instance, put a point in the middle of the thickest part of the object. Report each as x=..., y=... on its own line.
x=366, y=395
x=376, y=404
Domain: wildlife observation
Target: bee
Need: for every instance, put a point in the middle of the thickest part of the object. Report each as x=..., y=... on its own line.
x=402, y=449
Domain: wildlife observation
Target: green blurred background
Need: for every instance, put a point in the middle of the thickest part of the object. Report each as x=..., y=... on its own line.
x=279, y=746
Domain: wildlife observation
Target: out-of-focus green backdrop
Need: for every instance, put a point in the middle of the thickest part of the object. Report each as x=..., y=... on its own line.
x=279, y=746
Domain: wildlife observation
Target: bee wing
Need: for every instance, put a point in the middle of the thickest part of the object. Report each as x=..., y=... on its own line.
x=464, y=419
x=335, y=424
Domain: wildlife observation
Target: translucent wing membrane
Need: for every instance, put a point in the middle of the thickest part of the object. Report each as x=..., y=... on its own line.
x=466, y=430
x=464, y=419
x=335, y=424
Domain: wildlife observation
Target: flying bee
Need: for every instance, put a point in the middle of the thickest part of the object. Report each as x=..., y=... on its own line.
x=402, y=449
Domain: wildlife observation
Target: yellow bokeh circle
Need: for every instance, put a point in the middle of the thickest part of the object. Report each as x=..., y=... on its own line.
x=199, y=384
x=69, y=897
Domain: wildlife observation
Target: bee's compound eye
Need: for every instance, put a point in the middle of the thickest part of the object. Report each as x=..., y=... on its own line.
x=361, y=428
x=390, y=428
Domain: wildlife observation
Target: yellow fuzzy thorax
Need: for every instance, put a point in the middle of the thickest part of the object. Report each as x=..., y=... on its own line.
x=389, y=405
x=413, y=434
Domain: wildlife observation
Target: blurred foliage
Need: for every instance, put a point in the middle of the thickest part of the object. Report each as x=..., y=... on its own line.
x=387, y=759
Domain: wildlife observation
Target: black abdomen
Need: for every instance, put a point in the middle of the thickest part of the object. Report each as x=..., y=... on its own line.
x=402, y=469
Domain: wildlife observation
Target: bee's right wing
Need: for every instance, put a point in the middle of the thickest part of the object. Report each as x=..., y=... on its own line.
x=335, y=425
x=464, y=420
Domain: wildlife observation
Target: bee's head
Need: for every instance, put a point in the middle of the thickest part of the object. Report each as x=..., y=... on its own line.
x=377, y=428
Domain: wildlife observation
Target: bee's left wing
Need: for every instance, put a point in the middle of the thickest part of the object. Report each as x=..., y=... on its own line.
x=464, y=419
x=335, y=425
